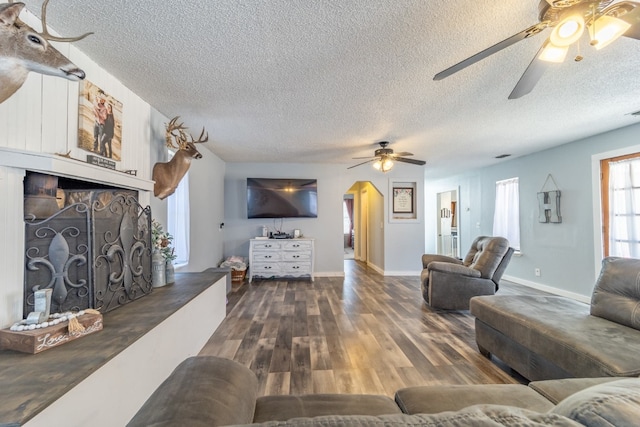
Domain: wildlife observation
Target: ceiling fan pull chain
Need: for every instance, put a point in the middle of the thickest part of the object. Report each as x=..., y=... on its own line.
x=579, y=56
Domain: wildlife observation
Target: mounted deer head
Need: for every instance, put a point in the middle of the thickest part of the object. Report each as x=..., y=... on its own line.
x=23, y=49
x=168, y=175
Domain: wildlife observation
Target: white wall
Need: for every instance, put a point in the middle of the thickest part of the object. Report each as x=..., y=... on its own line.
x=564, y=252
x=206, y=193
x=403, y=242
x=42, y=117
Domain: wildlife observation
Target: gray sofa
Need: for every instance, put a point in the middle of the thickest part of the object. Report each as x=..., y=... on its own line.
x=550, y=337
x=211, y=391
x=449, y=283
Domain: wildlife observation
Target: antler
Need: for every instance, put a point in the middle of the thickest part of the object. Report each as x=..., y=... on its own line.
x=206, y=137
x=180, y=138
x=45, y=31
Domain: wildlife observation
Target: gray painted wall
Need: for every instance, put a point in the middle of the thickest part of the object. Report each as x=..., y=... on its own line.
x=402, y=243
x=564, y=252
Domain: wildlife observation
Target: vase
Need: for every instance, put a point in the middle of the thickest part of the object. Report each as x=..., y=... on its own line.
x=158, y=267
x=169, y=273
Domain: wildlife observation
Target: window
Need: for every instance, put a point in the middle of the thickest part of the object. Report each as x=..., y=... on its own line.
x=621, y=206
x=178, y=220
x=506, y=217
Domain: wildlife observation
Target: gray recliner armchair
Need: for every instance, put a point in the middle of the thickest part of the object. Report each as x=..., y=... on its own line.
x=450, y=283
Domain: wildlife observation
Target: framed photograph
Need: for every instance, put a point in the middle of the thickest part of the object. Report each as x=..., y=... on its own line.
x=99, y=122
x=403, y=199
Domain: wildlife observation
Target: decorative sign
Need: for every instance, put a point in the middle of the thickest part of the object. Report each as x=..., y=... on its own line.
x=37, y=340
x=402, y=200
x=101, y=161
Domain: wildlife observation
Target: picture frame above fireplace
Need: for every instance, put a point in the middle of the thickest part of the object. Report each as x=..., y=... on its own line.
x=99, y=122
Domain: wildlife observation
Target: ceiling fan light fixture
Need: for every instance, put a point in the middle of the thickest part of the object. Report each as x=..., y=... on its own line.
x=607, y=29
x=553, y=53
x=568, y=31
x=383, y=164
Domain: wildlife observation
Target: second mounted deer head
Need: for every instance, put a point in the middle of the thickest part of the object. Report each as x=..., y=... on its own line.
x=23, y=49
x=168, y=175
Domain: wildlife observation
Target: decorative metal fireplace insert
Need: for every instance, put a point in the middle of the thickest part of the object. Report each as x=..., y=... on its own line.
x=93, y=251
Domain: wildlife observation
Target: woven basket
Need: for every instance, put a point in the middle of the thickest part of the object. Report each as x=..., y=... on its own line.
x=238, y=275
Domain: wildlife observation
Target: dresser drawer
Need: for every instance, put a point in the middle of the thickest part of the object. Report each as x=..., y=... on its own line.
x=295, y=268
x=260, y=256
x=296, y=245
x=261, y=268
x=269, y=245
x=296, y=256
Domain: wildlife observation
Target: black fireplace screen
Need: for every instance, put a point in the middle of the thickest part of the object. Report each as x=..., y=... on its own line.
x=95, y=252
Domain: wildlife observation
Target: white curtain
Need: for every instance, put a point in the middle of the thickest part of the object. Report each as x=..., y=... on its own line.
x=624, y=209
x=506, y=217
x=178, y=220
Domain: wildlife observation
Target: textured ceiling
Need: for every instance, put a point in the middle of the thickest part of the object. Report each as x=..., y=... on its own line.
x=324, y=80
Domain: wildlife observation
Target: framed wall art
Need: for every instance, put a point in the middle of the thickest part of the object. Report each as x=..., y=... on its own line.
x=99, y=122
x=403, y=199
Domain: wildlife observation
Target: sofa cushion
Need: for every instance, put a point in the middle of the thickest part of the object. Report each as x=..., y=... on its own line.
x=201, y=391
x=440, y=398
x=474, y=416
x=274, y=408
x=556, y=390
x=562, y=330
x=616, y=296
x=615, y=403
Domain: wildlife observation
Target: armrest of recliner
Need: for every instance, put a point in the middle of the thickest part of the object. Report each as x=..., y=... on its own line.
x=446, y=267
x=429, y=258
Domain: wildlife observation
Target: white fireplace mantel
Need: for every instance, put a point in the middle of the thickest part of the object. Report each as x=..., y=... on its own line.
x=55, y=164
x=14, y=164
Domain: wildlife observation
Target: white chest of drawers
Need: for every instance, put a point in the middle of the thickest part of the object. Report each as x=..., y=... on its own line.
x=280, y=258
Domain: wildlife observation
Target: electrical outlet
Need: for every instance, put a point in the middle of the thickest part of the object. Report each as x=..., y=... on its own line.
x=537, y=271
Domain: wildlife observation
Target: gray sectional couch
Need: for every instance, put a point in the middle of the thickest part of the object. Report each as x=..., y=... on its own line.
x=551, y=337
x=211, y=391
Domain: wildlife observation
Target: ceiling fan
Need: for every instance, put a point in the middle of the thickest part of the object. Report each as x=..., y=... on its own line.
x=605, y=21
x=384, y=157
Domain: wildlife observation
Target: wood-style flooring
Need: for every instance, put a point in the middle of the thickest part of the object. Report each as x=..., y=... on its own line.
x=364, y=333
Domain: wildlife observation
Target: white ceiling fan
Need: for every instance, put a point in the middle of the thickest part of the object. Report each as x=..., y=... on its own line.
x=604, y=20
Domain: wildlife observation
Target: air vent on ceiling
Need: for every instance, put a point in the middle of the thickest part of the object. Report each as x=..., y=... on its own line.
x=502, y=156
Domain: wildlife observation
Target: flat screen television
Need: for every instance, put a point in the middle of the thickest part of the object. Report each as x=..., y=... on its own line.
x=282, y=198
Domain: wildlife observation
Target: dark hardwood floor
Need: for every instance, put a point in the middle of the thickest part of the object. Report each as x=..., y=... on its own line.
x=364, y=333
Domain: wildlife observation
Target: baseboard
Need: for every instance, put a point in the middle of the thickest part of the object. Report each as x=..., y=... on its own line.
x=375, y=268
x=545, y=288
x=328, y=274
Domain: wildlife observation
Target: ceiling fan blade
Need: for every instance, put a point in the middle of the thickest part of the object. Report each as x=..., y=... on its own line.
x=412, y=161
x=366, y=157
x=532, y=30
x=531, y=75
x=359, y=164
x=403, y=154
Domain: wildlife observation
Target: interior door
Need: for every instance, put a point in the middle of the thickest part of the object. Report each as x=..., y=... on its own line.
x=447, y=225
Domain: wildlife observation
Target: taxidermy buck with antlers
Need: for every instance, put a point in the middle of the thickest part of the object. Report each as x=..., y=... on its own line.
x=23, y=49
x=168, y=175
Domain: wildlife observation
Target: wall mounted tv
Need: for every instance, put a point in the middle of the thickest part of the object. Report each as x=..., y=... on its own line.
x=282, y=198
